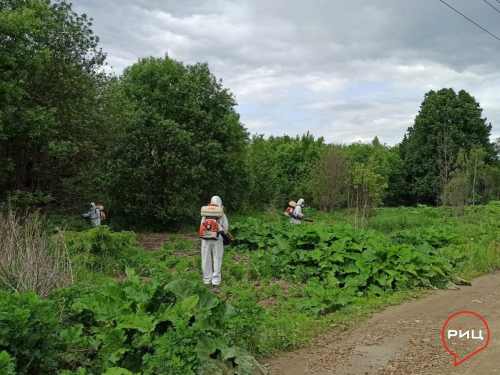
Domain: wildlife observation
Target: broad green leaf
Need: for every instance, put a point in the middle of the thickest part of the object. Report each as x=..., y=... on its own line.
x=112, y=290
x=356, y=247
x=182, y=288
x=411, y=269
x=189, y=304
x=142, y=323
x=132, y=276
x=72, y=334
x=105, y=309
x=303, y=255
x=332, y=280
x=369, y=255
x=353, y=256
x=117, y=355
x=136, y=295
x=316, y=254
x=364, y=267
x=337, y=258
x=355, y=281
x=350, y=268
x=228, y=353
x=438, y=270
x=205, y=347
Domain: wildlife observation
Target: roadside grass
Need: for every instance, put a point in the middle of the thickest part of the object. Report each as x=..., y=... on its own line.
x=287, y=330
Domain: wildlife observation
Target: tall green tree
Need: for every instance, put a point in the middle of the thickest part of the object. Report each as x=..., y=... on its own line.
x=50, y=81
x=181, y=144
x=373, y=157
x=447, y=122
x=280, y=168
x=264, y=174
x=329, y=179
x=397, y=189
x=474, y=182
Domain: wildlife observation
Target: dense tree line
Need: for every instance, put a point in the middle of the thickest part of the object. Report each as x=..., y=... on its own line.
x=156, y=142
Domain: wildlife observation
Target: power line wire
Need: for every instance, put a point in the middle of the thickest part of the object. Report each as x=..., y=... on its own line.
x=482, y=28
x=492, y=5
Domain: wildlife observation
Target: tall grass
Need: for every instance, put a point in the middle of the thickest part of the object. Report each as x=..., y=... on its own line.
x=31, y=259
x=388, y=220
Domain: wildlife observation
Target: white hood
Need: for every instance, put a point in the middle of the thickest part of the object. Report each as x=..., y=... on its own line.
x=216, y=200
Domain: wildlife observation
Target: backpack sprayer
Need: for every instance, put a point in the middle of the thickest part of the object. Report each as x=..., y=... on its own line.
x=289, y=212
x=210, y=229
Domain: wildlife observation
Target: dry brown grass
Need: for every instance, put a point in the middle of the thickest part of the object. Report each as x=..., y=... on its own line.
x=30, y=258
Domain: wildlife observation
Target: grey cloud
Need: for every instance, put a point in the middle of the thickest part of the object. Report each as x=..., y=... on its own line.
x=273, y=53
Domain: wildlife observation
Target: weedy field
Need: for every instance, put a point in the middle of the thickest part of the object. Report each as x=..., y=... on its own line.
x=124, y=309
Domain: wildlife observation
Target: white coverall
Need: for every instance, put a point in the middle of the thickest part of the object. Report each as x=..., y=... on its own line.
x=297, y=211
x=94, y=214
x=215, y=249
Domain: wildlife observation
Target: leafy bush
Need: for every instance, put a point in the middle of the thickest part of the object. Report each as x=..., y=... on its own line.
x=246, y=324
x=135, y=326
x=140, y=260
x=30, y=333
x=100, y=241
x=24, y=200
x=64, y=300
x=7, y=366
x=341, y=262
x=99, y=248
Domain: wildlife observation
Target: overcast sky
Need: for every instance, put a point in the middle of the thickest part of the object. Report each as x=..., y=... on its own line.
x=347, y=70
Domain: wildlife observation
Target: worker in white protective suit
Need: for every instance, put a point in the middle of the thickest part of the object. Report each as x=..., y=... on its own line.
x=215, y=249
x=297, y=212
x=94, y=214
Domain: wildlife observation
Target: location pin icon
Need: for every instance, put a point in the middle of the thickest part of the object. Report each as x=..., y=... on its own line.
x=443, y=334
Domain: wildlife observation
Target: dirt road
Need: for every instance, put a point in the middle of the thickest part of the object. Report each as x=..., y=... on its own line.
x=406, y=339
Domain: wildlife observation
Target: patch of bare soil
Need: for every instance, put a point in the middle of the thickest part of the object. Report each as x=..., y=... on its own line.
x=284, y=284
x=152, y=241
x=267, y=303
x=194, y=239
x=405, y=339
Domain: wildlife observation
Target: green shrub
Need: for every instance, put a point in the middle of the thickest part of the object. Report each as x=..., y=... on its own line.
x=153, y=328
x=100, y=241
x=341, y=262
x=246, y=325
x=99, y=248
x=30, y=333
x=140, y=260
x=25, y=200
x=238, y=271
x=7, y=366
x=64, y=300
x=175, y=351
